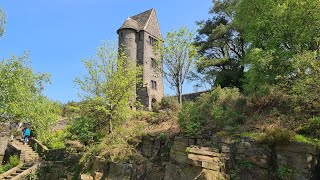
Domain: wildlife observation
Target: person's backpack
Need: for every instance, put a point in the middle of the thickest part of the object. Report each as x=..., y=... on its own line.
x=27, y=132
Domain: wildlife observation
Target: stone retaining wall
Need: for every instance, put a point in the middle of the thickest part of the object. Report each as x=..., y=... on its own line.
x=217, y=158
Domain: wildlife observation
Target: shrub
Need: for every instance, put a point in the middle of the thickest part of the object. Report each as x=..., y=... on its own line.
x=13, y=161
x=311, y=128
x=166, y=104
x=274, y=136
x=190, y=119
x=119, y=145
x=284, y=173
x=81, y=129
x=216, y=110
x=56, y=140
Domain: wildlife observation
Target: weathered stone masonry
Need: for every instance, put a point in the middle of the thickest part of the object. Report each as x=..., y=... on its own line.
x=137, y=37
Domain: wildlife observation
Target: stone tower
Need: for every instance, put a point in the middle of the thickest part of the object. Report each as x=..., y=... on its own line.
x=137, y=37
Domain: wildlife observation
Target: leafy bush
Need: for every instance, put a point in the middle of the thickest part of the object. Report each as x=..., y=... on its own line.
x=81, y=129
x=119, y=145
x=216, y=110
x=312, y=141
x=274, y=136
x=190, y=119
x=312, y=128
x=284, y=173
x=166, y=104
x=13, y=161
x=56, y=140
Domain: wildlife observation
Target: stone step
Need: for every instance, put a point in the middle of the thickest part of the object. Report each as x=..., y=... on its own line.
x=24, y=168
x=19, y=171
x=14, y=174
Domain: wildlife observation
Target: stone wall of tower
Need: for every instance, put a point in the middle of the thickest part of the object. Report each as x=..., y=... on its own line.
x=135, y=42
x=128, y=44
x=150, y=73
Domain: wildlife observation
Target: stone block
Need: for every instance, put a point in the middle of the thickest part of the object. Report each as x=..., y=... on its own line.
x=97, y=175
x=297, y=147
x=179, y=156
x=120, y=171
x=197, y=157
x=204, y=151
x=209, y=174
x=172, y=172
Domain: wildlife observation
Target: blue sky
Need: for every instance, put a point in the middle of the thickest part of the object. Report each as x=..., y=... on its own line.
x=59, y=33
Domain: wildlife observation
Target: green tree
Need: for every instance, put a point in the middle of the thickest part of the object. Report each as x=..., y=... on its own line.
x=179, y=54
x=221, y=44
x=21, y=95
x=110, y=84
x=277, y=31
x=2, y=22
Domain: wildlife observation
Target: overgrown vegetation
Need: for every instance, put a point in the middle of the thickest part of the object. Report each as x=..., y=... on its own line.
x=213, y=111
x=22, y=96
x=273, y=54
x=13, y=161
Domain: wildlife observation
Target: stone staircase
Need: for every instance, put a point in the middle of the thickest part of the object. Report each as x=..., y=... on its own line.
x=29, y=161
x=27, y=155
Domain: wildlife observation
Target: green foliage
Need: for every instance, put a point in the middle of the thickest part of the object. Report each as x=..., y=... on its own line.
x=222, y=45
x=56, y=140
x=303, y=86
x=191, y=120
x=22, y=98
x=280, y=33
x=187, y=149
x=247, y=164
x=167, y=104
x=119, y=145
x=216, y=110
x=284, y=173
x=274, y=136
x=109, y=84
x=280, y=25
x=179, y=55
x=312, y=141
x=311, y=128
x=13, y=161
x=71, y=109
x=81, y=129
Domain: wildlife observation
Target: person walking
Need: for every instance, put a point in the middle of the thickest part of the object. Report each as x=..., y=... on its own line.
x=26, y=134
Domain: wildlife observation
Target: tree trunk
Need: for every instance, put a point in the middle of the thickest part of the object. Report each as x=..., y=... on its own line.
x=110, y=125
x=180, y=97
x=110, y=120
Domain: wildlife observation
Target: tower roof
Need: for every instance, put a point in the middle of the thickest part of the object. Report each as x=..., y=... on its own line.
x=140, y=21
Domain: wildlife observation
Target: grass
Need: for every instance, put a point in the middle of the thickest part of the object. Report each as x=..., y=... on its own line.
x=13, y=161
x=303, y=139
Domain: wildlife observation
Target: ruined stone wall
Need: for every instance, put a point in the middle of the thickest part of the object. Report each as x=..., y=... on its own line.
x=216, y=158
x=4, y=139
x=150, y=73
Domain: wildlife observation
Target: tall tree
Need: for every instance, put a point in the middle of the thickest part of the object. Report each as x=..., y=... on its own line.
x=21, y=95
x=221, y=44
x=277, y=31
x=179, y=54
x=2, y=22
x=110, y=84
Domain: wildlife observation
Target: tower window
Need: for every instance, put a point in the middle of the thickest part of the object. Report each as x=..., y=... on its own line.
x=152, y=41
x=154, y=85
x=153, y=63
